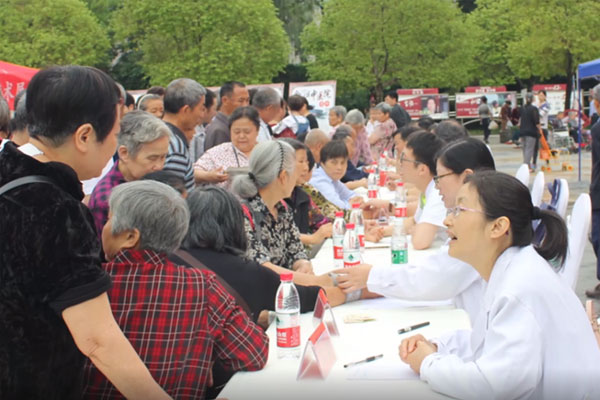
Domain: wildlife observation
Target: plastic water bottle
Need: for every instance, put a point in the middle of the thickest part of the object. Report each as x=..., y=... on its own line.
x=356, y=218
x=382, y=169
x=339, y=230
x=400, y=201
x=287, y=308
x=399, y=242
x=372, y=184
x=351, y=247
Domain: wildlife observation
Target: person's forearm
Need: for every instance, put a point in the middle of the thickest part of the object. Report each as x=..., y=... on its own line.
x=354, y=184
x=118, y=361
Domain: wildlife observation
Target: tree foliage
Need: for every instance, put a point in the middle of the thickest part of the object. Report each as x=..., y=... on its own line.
x=38, y=33
x=295, y=15
x=378, y=43
x=210, y=41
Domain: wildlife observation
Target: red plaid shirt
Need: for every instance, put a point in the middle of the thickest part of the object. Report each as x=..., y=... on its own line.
x=177, y=318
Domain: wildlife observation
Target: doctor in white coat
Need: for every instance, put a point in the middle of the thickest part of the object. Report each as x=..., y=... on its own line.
x=440, y=276
x=534, y=340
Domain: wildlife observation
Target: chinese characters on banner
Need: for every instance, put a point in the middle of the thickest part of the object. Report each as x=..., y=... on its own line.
x=556, y=94
x=421, y=102
x=320, y=95
x=13, y=79
x=467, y=103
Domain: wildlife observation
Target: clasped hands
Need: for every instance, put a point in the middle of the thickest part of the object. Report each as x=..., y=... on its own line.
x=414, y=349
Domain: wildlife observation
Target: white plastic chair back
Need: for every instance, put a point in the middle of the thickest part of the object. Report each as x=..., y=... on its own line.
x=537, y=189
x=579, y=227
x=563, y=198
x=523, y=174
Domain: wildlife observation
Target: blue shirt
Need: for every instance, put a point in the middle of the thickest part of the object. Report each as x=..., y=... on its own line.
x=334, y=191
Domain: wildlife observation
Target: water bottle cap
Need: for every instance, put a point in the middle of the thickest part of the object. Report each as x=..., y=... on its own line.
x=400, y=183
x=349, y=226
x=355, y=205
x=339, y=214
x=287, y=276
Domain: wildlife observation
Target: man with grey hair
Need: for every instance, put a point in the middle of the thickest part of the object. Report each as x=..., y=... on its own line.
x=315, y=140
x=184, y=110
x=180, y=320
x=268, y=103
x=595, y=192
x=143, y=144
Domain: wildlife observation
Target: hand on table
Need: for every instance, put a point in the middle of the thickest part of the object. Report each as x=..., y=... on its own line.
x=324, y=231
x=303, y=266
x=217, y=175
x=414, y=349
x=352, y=279
x=374, y=233
x=356, y=200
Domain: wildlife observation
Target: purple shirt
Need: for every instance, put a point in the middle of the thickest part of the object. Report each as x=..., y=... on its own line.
x=99, y=198
x=363, y=150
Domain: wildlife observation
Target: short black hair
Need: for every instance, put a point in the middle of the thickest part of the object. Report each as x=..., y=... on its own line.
x=168, y=178
x=426, y=122
x=334, y=149
x=209, y=98
x=245, y=112
x=341, y=135
x=228, y=87
x=295, y=143
x=311, y=159
x=129, y=100
x=543, y=91
x=159, y=90
x=425, y=146
x=393, y=94
x=469, y=153
x=408, y=130
x=60, y=99
x=296, y=102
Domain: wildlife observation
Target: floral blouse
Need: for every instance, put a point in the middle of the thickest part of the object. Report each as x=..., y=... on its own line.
x=327, y=208
x=276, y=240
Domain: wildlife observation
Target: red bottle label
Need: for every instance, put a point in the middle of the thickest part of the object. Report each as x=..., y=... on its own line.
x=288, y=337
x=372, y=194
x=400, y=212
x=338, y=252
x=361, y=240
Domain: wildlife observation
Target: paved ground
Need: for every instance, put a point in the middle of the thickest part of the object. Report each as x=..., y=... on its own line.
x=508, y=159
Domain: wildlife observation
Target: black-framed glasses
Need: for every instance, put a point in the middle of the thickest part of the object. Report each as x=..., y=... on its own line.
x=437, y=178
x=403, y=158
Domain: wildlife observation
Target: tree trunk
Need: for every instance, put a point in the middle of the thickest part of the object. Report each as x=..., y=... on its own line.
x=569, y=80
x=379, y=92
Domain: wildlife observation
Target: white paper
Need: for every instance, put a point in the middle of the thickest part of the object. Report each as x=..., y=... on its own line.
x=384, y=242
x=387, y=303
x=382, y=369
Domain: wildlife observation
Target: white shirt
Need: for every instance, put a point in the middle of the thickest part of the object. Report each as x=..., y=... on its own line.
x=433, y=212
x=263, y=133
x=439, y=277
x=532, y=340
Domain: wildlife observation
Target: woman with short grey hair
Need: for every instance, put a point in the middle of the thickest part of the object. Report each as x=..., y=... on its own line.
x=151, y=103
x=362, y=154
x=336, y=117
x=135, y=208
x=381, y=138
x=273, y=238
x=143, y=144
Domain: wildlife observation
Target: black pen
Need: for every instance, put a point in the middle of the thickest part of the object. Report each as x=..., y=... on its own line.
x=413, y=327
x=366, y=360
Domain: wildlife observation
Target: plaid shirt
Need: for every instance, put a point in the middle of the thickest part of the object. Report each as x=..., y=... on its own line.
x=99, y=198
x=179, y=320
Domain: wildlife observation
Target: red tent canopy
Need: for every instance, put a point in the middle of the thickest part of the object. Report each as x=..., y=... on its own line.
x=13, y=79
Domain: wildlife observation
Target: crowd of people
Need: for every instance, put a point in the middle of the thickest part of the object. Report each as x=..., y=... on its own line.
x=142, y=242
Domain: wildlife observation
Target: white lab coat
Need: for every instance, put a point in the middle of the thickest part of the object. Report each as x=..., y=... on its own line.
x=439, y=277
x=533, y=340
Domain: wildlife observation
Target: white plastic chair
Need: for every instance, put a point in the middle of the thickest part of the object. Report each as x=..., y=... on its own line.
x=523, y=174
x=563, y=199
x=579, y=227
x=537, y=189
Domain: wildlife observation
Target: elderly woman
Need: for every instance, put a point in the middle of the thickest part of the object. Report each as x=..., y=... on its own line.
x=274, y=239
x=336, y=117
x=53, y=302
x=381, y=138
x=153, y=104
x=143, y=147
x=362, y=155
x=181, y=320
x=244, y=124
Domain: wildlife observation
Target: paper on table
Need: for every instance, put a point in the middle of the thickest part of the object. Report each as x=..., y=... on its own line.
x=386, y=303
x=382, y=369
x=384, y=242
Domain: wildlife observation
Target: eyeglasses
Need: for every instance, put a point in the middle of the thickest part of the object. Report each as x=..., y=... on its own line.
x=403, y=158
x=437, y=178
x=455, y=211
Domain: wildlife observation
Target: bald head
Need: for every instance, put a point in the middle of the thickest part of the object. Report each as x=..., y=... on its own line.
x=315, y=140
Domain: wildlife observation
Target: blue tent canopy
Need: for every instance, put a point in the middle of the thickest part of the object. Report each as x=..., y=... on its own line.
x=589, y=69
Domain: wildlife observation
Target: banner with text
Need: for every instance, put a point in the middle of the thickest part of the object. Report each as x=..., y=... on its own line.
x=320, y=95
x=555, y=96
x=425, y=101
x=468, y=103
x=13, y=79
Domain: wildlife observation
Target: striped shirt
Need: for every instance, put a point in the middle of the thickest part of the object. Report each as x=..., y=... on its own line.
x=178, y=159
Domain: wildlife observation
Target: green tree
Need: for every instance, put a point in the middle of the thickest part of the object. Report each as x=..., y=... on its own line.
x=379, y=43
x=38, y=33
x=210, y=41
x=295, y=15
x=553, y=37
x=102, y=9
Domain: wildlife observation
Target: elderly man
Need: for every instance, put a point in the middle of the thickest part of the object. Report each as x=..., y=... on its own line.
x=268, y=103
x=184, y=110
x=180, y=319
x=315, y=140
x=142, y=148
x=232, y=95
